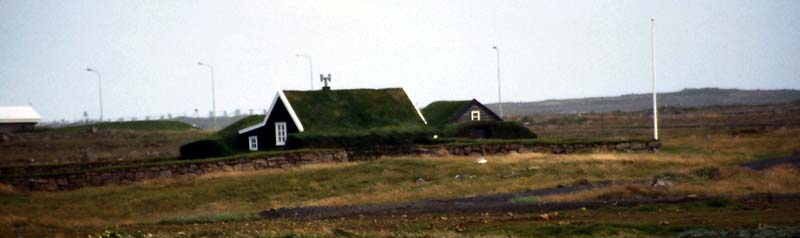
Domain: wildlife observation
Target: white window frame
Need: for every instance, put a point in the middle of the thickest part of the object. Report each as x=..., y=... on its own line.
x=280, y=133
x=475, y=115
x=253, y=141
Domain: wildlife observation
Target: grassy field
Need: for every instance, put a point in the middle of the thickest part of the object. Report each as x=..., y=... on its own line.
x=109, y=142
x=224, y=204
x=175, y=205
x=684, y=121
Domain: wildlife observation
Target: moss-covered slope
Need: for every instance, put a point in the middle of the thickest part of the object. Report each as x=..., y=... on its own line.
x=353, y=109
x=438, y=113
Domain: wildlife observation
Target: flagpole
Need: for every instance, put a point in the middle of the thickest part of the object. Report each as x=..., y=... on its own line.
x=653, y=54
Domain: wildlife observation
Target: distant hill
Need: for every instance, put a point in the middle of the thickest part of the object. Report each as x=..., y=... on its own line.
x=158, y=125
x=636, y=102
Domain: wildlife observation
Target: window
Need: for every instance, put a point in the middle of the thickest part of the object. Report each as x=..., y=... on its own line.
x=253, y=142
x=475, y=115
x=280, y=133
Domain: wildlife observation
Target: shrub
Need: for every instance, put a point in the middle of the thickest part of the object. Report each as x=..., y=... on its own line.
x=204, y=148
x=493, y=129
x=386, y=138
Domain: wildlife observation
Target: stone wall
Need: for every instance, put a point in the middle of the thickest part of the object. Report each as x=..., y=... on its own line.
x=26, y=179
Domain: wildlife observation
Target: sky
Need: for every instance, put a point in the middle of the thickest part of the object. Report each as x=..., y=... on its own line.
x=147, y=51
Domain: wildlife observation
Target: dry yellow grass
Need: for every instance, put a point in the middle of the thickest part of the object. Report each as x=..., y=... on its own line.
x=733, y=181
x=535, y=170
x=7, y=189
x=392, y=179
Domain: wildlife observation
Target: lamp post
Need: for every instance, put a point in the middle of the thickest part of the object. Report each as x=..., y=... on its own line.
x=213, y=97
x=499, y=97
x=310, y=68
x=653, y=54
x=100, y=86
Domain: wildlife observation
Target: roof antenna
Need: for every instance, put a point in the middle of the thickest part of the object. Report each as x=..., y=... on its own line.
x=325, y=80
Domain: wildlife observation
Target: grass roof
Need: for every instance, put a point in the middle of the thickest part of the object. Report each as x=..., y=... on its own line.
x=229, y=134
x=438, y=113
x=353, y=109
x=232, y=130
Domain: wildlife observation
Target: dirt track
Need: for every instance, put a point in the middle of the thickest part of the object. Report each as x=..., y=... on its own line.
x=768, y=163
x=481, y=204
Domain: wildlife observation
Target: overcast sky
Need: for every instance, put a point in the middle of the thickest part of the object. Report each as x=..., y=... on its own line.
x=147, y=51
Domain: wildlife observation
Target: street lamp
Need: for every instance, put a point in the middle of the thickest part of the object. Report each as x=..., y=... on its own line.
x=213, y=97
x=499, y=98
x=99, y=85
x=310, y=69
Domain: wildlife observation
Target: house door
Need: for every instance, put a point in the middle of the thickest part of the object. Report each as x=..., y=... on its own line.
x=280, y=133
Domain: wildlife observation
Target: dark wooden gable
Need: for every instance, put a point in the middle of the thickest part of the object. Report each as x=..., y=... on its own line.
x=266, y=132
x=465, y=113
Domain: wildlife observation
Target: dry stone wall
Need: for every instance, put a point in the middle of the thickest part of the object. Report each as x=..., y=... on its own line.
x=31, y=179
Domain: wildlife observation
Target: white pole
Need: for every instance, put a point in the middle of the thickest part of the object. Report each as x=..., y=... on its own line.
x=213, y=96
x=499, y=98
x=653, y=54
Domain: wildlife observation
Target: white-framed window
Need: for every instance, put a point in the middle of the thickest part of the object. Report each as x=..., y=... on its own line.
x=253, y=142
x=280, y=133
x=475, y=115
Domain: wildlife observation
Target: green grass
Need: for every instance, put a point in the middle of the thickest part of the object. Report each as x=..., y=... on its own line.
x=211, y=218
x=438, y=113
x=230, y=133
x=226, y=139
x=526, y=199
x=353, y=109
x=161, y=125
x=387, y=180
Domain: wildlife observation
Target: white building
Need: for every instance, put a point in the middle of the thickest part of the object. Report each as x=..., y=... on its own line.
x=18, y=118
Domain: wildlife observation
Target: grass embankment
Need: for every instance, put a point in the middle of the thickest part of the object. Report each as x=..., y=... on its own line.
x=160, y=125
x=235, y=196
x=112, y=142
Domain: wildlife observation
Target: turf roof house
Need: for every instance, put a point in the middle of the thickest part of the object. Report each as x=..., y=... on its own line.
x=443, y=113
x=330, y=111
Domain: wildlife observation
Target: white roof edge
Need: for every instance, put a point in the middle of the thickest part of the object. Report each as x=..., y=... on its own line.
x=291, y=111
x=279, y=95
x=250, y=128
x=415, y=106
